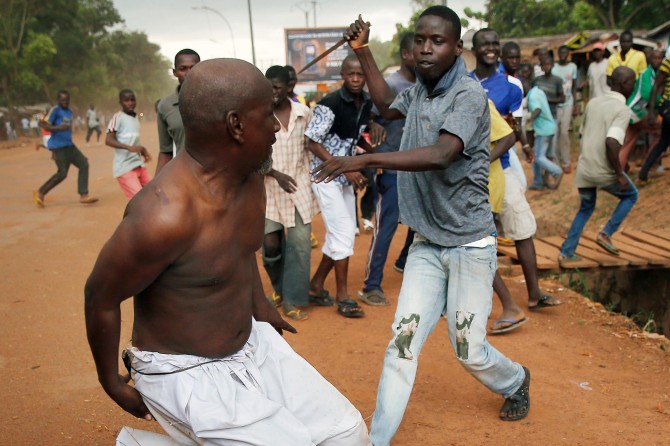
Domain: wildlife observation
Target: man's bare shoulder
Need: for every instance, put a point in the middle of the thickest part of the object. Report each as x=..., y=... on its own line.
x=162, y=207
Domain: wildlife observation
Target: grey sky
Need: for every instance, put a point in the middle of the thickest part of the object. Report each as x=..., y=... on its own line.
x=175, y=24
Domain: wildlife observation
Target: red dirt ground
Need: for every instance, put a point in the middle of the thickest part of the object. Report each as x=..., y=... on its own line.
x=596, y=378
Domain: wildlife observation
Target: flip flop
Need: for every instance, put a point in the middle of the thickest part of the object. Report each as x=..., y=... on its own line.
x=294, y=313
x=88, y=200
x=375, y=298
x=546, y=301
x=349, y=308
x=36, y=198
x=513, y=325
x=323, y=299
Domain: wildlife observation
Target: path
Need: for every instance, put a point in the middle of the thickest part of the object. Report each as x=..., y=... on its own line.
x=596, y=380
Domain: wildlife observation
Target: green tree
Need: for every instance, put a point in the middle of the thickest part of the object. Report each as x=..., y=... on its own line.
x=49, y=45
x=521, y=18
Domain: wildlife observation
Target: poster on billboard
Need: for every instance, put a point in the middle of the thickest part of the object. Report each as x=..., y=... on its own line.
x=305, y=44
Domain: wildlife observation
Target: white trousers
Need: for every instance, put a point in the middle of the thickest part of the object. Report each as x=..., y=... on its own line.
x=338, y=208
x=265, y=394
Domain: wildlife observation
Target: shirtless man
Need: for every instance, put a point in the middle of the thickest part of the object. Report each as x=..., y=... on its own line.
x=205, y=355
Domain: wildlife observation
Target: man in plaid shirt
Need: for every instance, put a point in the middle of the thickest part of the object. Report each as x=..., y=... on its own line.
x=290, y=203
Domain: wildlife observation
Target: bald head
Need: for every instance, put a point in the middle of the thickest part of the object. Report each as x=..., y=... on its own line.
x=623, y=80
x=215, y=88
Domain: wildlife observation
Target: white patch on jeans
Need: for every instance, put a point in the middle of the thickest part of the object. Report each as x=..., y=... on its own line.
x=405, y=333
x=463, y=321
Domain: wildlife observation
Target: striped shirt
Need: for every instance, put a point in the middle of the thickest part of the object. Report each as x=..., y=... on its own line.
x=665, y=68
x=291, y=157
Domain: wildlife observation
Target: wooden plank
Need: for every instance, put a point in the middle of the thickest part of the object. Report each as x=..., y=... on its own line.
x=625, y=247
x=544, y=249
x=509, y=251
x=647, y=238
x=618, y=237
x=605, y=260
x=590, y=242
x=543, y=262
x=665, y=235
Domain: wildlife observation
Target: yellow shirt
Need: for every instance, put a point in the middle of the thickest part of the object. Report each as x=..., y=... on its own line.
x=499, y=129
x=635, y=60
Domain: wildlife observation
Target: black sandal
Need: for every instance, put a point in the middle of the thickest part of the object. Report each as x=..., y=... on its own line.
x=349, y=308
x=323, y=299
x=519, y=402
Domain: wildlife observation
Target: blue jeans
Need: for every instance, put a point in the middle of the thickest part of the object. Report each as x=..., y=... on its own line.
x=437, y=281
x=541, y=162
x=587, y=196
x=386, y=224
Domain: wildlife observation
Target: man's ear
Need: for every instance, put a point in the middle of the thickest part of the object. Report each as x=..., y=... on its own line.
x=459, y=47
x=234, y=126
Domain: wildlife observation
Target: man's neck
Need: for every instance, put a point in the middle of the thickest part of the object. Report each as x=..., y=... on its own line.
x=283, y=105
x=563, y=62
x=483, y=71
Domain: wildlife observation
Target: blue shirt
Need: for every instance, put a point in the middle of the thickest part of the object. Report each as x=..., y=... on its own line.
x=60, y=138
x=544, y=124
x=506, y=96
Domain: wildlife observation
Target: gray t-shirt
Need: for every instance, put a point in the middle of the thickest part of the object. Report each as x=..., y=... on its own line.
x=170, y=127
x=449, y=207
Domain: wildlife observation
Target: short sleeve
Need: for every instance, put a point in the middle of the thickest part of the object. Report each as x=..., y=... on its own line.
x=165, y=140
x=516, y=103
x=51, y=117
x=113, y=123
x=403, y=101
x=320, y=124
x=499, y=127
x=465, y=120
x=665, y=66
x=619, y=125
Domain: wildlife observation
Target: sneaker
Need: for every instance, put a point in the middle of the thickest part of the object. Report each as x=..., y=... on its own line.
x=400, y=269
x=358, y=232
x=368, y=226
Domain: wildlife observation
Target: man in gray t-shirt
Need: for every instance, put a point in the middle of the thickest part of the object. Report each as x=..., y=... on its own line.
x=443, y=196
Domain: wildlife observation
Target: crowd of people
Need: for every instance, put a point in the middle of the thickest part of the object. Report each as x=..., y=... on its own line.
x=437, y=144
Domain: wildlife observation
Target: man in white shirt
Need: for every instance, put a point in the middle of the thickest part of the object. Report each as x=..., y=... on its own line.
x=596, y=75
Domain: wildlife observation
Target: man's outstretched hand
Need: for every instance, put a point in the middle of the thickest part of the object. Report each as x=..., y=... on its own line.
x=358, y=32
x=337, y=165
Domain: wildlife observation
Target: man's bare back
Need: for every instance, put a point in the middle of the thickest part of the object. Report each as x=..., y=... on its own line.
x=185, y=248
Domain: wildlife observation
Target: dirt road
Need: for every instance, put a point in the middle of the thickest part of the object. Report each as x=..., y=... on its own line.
x=596, y=380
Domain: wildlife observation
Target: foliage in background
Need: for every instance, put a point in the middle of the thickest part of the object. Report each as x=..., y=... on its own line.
x=50, y=45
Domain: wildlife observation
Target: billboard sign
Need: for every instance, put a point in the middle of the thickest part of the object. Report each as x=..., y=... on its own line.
x=305, y=44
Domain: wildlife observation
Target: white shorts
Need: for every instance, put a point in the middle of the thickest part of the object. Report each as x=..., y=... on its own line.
x=338, y=209
x=516, y=217
x=265, y=394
